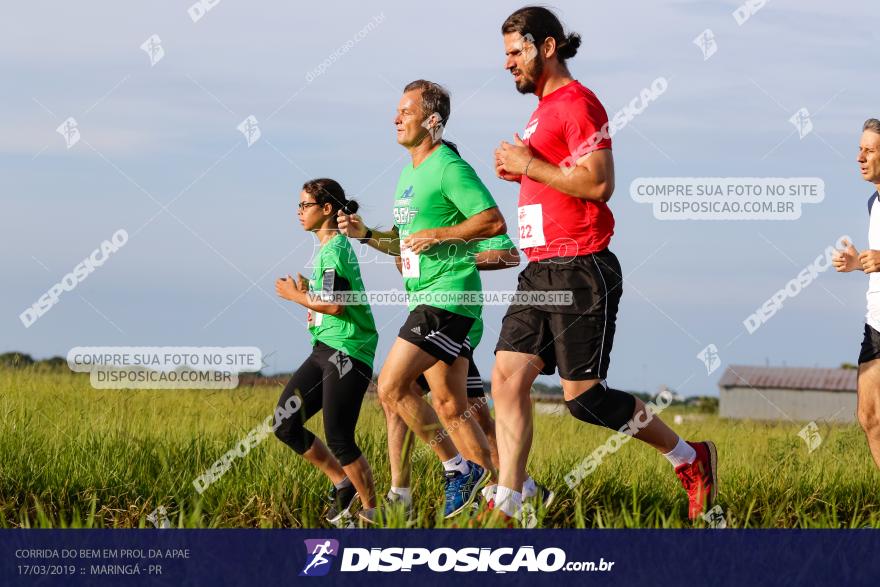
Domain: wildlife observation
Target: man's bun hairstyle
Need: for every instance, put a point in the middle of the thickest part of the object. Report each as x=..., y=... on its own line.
x=540, y=23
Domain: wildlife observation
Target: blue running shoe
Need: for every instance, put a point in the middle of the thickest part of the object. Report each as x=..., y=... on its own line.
x=462, y=488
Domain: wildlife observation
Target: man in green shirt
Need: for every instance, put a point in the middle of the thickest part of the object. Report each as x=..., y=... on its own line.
x=494, y=253
x=440, y=206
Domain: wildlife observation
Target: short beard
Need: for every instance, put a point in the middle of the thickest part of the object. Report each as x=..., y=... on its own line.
x=529, y=82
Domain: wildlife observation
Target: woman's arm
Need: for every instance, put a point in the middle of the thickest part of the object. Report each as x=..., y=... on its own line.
x=298, y=292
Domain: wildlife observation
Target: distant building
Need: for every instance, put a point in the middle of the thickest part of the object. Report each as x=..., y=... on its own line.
x=788, y=393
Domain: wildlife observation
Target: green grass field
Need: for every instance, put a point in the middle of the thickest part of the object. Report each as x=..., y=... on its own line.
x=72, y=456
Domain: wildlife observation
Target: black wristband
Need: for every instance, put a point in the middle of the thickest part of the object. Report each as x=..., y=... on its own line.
x=367, y=236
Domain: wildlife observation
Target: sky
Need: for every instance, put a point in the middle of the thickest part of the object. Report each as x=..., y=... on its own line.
x=212, y=220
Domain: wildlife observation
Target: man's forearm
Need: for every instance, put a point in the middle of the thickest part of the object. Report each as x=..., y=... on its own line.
x=486, y=224
x=579, y=181
x=387, y=242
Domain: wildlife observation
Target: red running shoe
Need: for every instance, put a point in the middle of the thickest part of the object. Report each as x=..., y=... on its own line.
x=700, y=479
x=493, y=517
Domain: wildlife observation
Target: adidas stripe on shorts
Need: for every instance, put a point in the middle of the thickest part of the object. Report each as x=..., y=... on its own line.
x=440, y=333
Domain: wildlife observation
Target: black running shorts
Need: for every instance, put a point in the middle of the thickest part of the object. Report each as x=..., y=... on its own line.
x=440, y=333
x=575, y=338
x=870, y=345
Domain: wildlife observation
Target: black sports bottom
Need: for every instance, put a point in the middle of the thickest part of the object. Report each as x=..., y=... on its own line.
x=870, y=345
x=577, y=337
x=335, y=382
x=440, y=333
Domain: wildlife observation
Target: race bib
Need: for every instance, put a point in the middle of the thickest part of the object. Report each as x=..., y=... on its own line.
x=409, y=263
x=531, y=226
x=314, y=318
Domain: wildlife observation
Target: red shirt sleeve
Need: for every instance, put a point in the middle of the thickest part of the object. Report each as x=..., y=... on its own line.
x=585, y=126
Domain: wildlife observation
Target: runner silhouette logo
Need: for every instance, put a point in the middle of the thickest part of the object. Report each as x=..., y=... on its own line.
x=320, y=555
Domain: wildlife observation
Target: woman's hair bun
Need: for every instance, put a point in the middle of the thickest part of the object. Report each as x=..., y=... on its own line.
x=351, y=206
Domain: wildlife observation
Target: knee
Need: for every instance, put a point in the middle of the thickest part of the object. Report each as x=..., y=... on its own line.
x=294, y=435
x=340, y=439
x=448, y=408
x=390, y=390
x=869, y=419
x=383, y=402
x=284, y=429
x=502, y=387
x=602, y=406
x=386, y=409
x=511, y=382
x=499, y=375
x=344, y=448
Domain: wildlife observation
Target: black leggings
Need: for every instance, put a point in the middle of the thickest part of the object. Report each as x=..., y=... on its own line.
x=332, y=381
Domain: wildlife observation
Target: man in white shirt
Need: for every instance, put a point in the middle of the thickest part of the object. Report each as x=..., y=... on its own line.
x=849, y=259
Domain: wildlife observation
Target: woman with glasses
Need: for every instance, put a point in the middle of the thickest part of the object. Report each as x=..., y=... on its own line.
x=337, y=373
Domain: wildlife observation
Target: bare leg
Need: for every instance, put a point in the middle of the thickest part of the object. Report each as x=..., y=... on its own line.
x=400, y=440
x=358, y=471
x=655, y=432
x=405, y=362
x=479, y=406
x=869, y=405
x=449, y=393
x=362, y=478
x=512, y=380
x=320, y=456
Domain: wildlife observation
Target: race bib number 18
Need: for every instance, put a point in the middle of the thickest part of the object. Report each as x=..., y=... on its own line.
x=409, y=263
x=531, y=226
x=314, y=318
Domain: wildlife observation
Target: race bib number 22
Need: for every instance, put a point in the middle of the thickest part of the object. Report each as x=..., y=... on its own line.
x=531, y=226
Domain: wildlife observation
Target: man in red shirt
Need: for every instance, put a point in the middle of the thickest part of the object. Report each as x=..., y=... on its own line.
x=565, y=169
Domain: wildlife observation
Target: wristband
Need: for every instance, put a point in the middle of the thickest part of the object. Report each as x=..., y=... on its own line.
x=526, y=170
x=367, y=236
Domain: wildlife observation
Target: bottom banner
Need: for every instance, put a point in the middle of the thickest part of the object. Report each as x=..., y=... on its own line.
x=468, y=557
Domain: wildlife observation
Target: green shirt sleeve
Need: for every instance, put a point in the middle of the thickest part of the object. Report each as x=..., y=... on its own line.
x=461, y=185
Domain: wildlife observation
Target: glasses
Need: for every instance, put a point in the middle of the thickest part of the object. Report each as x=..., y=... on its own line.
x=304, y=205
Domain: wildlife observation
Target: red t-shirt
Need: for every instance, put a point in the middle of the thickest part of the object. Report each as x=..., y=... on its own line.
x=568, y=123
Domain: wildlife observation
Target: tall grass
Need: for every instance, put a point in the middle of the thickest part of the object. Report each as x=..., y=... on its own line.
x=72, y=456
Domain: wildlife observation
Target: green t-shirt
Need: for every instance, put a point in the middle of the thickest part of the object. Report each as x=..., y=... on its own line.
x=354, y=331
x=501, y=242
x=442, y=191
x=475, y=334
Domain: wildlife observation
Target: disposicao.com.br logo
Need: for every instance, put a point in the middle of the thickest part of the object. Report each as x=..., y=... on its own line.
x=441, y=560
